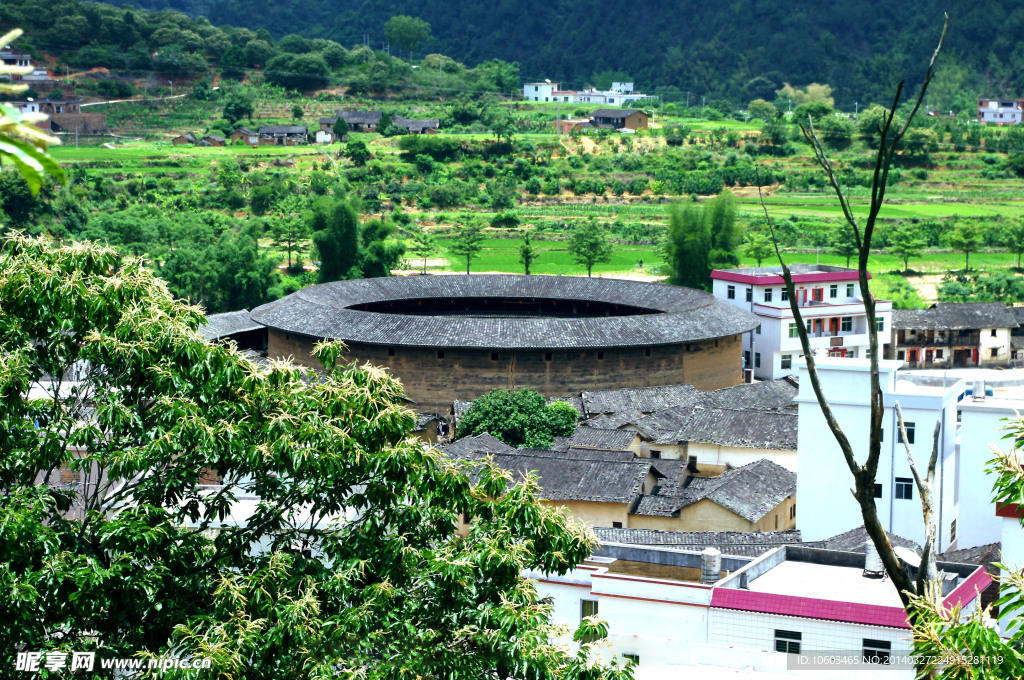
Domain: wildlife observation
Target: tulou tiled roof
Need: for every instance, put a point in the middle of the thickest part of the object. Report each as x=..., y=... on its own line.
x=222, y=325
x=739, y=543
x=750, y=491
x=680, y=314
x=955, y=316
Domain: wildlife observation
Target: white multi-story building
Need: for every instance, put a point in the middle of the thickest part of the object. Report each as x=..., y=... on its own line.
x=1000, y=111
x=826, y=506
x=620, y=94
x=672, y=611
x=830, y=301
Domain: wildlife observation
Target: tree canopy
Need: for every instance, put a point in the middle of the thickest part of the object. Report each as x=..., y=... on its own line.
x=589, y=245
x=143, y=542
x=519, y=418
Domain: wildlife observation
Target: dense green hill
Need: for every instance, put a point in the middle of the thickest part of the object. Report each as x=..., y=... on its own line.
x=738, y=50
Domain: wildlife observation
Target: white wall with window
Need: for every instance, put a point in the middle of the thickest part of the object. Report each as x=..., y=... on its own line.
x=824, y=483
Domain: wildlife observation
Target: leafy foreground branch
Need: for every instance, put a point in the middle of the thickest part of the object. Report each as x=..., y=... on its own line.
x=328, y=547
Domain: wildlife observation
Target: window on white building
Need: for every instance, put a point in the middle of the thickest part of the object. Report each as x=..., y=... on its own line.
x=904, y=488
x=993, y=332
x=877, y=651
x=849, y=290
x=787, y=641
x=750, y=294
x=994, y=352
x=833, y=290
x=767, y=294
x=588, y=608
x=757, y=360
x=784, y=296
x=730, y=292
x=786, y=362
x=879, y=324
x=757, y=331
x=793, y=332
x=746, y=359
x=878, y=490
x=846, y=324
x=910, y=433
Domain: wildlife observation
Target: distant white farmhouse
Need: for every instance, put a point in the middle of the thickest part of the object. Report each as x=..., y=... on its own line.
x=619, y=94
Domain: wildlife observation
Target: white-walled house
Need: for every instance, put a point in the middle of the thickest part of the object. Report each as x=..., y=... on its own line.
x=619, y=95
x=826, y=506
x=1000, y=111
x=830, y=301
x=539, y=92
x=674, y=611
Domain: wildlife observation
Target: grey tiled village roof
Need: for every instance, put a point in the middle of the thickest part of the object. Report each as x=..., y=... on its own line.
x=762, y=394
x=682, y=314
x=750, y=491
x=741, y=543
x=854, y=540
x=613, y=113
x=416, y=124
x=742, y=428
x=361, y=117
x=596, y=438
x=481, y=443
x=284, y=130
x=982, y=555
x=639, y=399
x=563, y=478
x=222, y=325
x=954, y=316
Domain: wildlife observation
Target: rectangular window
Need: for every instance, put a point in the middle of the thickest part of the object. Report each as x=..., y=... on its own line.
x=391, y=351
x=494, y=356
x=757, y=331
x=833, y=290
x=910, y=433
x=600, y=356
x=787, y=641
x=904, y=488
x=849, y=290
x=691, y=463
x=757, y=360
x=993, y=332
x=616, y=525
x=588, y=608
x=818, y=294
x=767, y=294
x=877, y=651
x=793, y=332
x=879, y=324
x=784, y=295
x=878, y=490
x=440, y=354
x=750, y=294
x=938, y=354
x=901, y=355
x=746, y=359
x=547, y=356
x=952, y=531
x=655, y=453
x=846, y=324
x=792, y=511
x=995, y=352
x=786, y=362
x=730, y=292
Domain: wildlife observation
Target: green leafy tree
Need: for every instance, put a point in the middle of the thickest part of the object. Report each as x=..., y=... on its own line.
x=297, y=112
x=905, y=243
x=519, y=418
x=468, y=241
x=761, y=109
x=340, y=129
x=350, y=559
x=872, y=119
x=421, y=244
x=687, y=246
x=1013, y=240
x=589, y=245
x=527, y=253
x=237, y=107
x=335, y=228
x=845, y=243
x=381, y=252
x=836, y=129
x=965, y=238
x=288, y=232
x=407, y=32
x=758, y=245
x=357, y=151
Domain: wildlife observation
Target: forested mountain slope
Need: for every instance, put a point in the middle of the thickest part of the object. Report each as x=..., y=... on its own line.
x=721, y=49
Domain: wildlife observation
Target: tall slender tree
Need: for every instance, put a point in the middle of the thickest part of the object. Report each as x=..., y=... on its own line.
x=468, y=242
x=335, y=228
x=527, y=253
